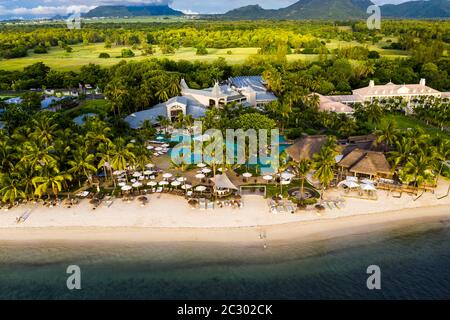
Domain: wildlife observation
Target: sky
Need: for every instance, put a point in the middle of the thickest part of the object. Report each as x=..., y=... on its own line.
x=49, y=8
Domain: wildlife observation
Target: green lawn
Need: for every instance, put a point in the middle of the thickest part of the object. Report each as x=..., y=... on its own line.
x=88, y=106
x=59, y=59
x=405, y=122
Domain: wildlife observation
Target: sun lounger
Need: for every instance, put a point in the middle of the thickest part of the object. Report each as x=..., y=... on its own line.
x=202, y=203
x=23, y=217
x=210, y=205
x=290, y=209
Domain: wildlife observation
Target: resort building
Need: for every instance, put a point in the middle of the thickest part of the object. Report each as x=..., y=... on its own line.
x=249, y=91
x=365, y=163
x=328, y=105
x=373, y=92
x=254, y=89
x=169, y=109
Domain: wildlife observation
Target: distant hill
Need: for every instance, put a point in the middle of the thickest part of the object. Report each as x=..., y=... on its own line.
x=343, y=10
x=418, y=9
x=306, y=9
x=132, y=11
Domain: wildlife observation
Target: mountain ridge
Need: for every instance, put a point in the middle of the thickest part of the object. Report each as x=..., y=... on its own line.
x=132, y=11
x=342, y=10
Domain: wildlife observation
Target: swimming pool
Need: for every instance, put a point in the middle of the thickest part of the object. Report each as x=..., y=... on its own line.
x=197, y=158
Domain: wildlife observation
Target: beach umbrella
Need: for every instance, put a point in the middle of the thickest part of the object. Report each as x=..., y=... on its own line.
x=152, y=184
x=121, y=184
x=368, y=187
x=150, y=147
x=118, y=172
x=285, y=182
x=167, y=175
x=206, y=170
x=148, y=172
x=158, y=148
x=176, y=183
x=137, y=174
x=367, y=181
x=159, y=138
x=348, y=184
x=165, y=145
x=150, y=165
x=287, y=175
x=247, y=175
x=163, y=183
x=201, y=165
x=186, y=186
x=181, y=179
x=201, y=188
x=203, y=138
x=200, y=176
x=268, y=178
x=126, y=188
x=137, y=185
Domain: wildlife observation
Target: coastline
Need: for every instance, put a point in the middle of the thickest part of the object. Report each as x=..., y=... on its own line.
x=277, y=234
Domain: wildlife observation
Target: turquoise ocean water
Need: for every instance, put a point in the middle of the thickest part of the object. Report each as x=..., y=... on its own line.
x=414, y=262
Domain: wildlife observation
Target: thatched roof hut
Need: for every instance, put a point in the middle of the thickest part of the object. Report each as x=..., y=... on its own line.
x=306, y=147
x=366, y=162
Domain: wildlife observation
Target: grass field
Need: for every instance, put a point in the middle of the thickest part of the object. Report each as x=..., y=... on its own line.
x=88, y=106
x=406, y=122
x=59, y=59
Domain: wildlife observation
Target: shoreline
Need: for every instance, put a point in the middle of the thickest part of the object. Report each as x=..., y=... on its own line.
x=276, y=234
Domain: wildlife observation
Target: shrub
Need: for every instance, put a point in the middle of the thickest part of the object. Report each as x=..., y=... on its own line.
x=127, y=53
x=202, y=51
x=373, y=55
x=104, y=55
x=40, y=49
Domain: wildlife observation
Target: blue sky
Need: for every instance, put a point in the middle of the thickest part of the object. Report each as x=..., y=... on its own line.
x=35, y=8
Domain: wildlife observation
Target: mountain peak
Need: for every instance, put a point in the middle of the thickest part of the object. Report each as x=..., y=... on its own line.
x=132, y=10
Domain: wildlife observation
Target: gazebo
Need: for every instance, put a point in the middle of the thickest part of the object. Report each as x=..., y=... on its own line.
x=223, y=184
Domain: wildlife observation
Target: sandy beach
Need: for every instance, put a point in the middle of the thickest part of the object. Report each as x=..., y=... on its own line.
x=169, y=218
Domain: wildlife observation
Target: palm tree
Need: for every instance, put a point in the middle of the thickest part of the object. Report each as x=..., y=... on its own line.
x=52, y=181
x=403, y=149
x=418, y=170
x=163, y=122
x=374, y=113
x=116, y=91
x=82, y=164
x=9, y=188
x=105, y=155
x=6, y=155
x=301, y=169
x=387, y=135
x=38, y=156
x=44, y=129
x=323, y=163
x=121, y=154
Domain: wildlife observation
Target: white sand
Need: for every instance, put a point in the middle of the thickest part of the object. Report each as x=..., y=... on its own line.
x=169, y=217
